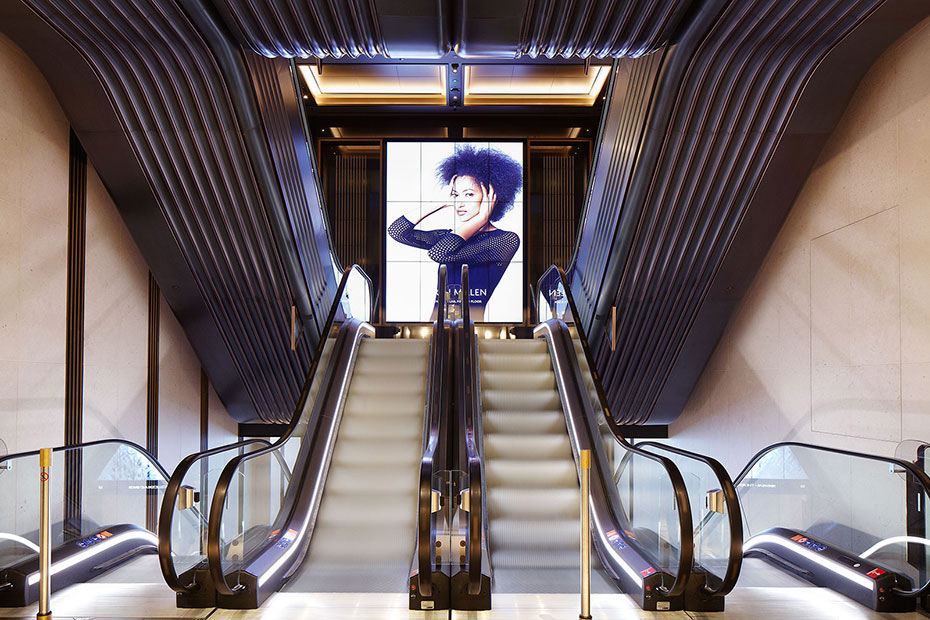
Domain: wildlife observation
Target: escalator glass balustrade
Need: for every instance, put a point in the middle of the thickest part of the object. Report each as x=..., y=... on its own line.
x=103, y=497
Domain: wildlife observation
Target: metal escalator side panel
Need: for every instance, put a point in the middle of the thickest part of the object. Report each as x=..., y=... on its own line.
x=863, y=580
x=634, y=570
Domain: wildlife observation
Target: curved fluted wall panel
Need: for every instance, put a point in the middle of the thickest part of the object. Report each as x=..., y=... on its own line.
x=598, y=28
x=284, y=130
x=291, y=29
x=178, y=110
x=741, y=69
x=623, y=127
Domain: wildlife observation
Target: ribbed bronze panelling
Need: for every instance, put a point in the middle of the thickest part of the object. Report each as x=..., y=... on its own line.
x=182, y=93
x=74, y=335
x=598, y=28
x=279, y=106
x=350, y=194
x=736, y=96
x=558, y=202
x=151, y=396
x=622, y=131
x=303, y=29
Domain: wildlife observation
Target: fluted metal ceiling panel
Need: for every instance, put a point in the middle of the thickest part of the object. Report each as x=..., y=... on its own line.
x=745, y=67
x=328, y=28
x=182, y=94
x=471, y=28
x=598, y=28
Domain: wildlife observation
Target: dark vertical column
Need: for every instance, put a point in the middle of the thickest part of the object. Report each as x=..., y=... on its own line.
x=204, y=444
x=151, y=409
x=74, y=343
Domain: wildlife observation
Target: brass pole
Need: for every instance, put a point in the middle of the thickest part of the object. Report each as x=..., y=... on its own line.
x=45, y=537
x=585, y=536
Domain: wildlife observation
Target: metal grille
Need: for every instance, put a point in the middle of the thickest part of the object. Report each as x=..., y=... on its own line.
x=559, y=208
x=349, y=197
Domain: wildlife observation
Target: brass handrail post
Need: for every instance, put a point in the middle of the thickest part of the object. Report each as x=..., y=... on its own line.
x=585, y=536
x=45, y=536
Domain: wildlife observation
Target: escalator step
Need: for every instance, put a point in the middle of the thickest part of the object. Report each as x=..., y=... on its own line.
x=520, y=400
x=530, y=473
x=533, y=447
x=503, y=421
x=522, y=347
x=548, y=535
x=523, y=380
x=507, y=361
x=521, y=502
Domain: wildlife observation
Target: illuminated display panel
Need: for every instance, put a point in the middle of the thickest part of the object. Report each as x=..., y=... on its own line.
x=454, y=203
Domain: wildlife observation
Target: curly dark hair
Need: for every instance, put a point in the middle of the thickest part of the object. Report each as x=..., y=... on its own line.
x=489, y=167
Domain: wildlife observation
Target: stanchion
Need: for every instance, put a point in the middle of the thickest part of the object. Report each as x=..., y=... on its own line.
x=45, y=536
x=585, y=536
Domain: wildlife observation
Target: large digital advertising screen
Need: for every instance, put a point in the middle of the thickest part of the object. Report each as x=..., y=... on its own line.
x=454, y=203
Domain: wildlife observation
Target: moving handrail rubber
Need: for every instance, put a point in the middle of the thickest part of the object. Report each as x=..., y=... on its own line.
x=683, y=505
x=167, y=512
x=912, y=469
x=733, y=512
x=433, y=454
x=469, y=398
x=175, y=483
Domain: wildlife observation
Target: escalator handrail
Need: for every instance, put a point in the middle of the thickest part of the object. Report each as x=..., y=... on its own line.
x=167, y=511
x=435, y=412
x=472, y=419
x=734, y=514
x=682, y=501
x=222, y=486
x=80, y=446
x=911, y=468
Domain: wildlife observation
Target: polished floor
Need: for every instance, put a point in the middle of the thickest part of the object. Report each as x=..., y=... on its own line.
x=153, y=600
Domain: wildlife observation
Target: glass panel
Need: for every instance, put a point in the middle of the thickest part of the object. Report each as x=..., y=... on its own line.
x=647, y=499
x=851, y=502
x=711, y=527
x=114, y=480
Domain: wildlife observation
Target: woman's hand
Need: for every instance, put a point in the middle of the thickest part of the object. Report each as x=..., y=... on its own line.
x=479, y=221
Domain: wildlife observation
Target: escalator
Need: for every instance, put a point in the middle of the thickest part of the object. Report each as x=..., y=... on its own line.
x=530, y=416
x=851, y=522
x=533, y=493
x=101, y=494
x=373, y=472
x=334, y=504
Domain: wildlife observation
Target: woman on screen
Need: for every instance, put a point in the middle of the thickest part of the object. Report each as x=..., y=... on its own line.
x=482, y=185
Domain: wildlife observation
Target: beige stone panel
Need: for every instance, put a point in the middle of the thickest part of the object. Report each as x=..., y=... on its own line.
x=859, y=401
x=222, y=429
x=40, y=405
x=915, y=401
x=9, y=402
x=855, y=294
x=43, y=271
x=10, y=252
x=915, y=281
x=179, y=393
x=116, y=284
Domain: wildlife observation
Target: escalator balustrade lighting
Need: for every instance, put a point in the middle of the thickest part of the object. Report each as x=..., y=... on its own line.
x=813, y=556
x=96, y=549
x=296, y=536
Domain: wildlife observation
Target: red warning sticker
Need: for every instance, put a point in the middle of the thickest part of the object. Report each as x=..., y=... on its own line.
x=875, y=573
x=647, y=572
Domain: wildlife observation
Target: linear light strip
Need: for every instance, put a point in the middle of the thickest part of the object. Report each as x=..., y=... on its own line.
x=19, y=539
x=917, y=540
x=92, y=551
x=803, y=551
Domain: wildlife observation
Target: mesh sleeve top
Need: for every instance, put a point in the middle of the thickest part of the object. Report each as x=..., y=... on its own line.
x=491, y=246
